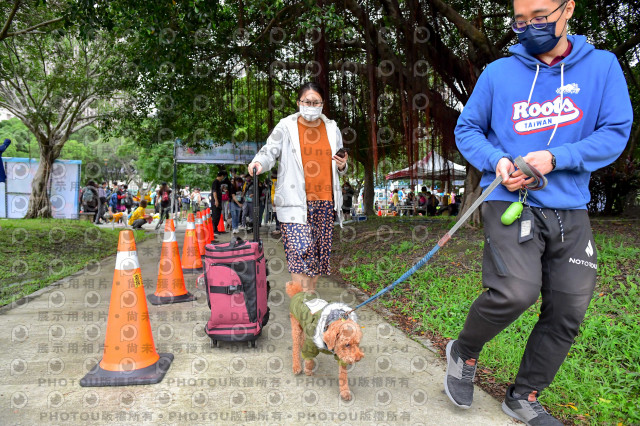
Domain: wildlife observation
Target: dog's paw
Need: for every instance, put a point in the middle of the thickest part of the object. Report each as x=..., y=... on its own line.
x=345, y=395
x=308, y=367
x=297, y=369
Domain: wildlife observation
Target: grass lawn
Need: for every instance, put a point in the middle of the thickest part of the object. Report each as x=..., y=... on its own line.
x=600, y=380
x=37, y=252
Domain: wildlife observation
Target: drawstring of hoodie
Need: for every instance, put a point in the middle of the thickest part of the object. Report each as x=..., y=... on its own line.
x=533, y=85
x=561, y=102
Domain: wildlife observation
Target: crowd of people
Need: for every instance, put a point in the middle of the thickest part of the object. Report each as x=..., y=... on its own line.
x=104, y=201
x=231, y=198
x=425, y=203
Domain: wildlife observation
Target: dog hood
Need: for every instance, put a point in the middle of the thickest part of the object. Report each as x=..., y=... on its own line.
x=330, y=313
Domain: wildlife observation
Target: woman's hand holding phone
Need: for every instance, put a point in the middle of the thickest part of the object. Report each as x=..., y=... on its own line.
x=341, y=157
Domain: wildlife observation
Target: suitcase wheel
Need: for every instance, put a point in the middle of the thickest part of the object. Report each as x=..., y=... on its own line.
x=252, y=343
x=215, y=343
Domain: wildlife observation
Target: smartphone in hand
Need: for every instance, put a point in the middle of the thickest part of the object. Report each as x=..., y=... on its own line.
x=341, y=152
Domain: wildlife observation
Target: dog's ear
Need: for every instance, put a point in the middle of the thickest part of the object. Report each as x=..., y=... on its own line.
x=351, y=331
x=330, y=336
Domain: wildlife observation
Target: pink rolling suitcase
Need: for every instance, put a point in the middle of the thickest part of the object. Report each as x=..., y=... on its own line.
x=235, y=278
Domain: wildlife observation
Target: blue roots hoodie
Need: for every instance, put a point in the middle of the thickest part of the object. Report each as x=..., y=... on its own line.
x=578, y=109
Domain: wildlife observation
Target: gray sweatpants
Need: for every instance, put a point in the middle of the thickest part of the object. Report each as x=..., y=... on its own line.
x=516, y=274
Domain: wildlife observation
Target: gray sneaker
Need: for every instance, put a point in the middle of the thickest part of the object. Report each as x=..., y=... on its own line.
x=527, y=409
x=458, y=381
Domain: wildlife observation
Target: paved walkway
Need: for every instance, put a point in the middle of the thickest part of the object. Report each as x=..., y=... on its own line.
x=51, y=339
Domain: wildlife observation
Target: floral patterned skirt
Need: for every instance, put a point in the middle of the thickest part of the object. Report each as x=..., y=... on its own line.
x=308, y=246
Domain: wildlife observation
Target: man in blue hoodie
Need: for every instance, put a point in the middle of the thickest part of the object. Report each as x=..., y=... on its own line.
x=564, y=106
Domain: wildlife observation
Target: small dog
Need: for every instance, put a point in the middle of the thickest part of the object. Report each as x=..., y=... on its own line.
x=318, y=326
x=121, y=218
x=113, y=217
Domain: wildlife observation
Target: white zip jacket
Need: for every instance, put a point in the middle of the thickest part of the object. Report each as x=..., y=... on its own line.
x=283, y=144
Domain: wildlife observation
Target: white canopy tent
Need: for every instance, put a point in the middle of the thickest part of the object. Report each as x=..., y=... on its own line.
x=433, y=166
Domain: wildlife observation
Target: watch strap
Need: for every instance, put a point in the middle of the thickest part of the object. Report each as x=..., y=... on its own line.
x=553, y=160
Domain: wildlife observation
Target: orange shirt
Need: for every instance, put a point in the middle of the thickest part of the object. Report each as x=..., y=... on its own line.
x=316, y=161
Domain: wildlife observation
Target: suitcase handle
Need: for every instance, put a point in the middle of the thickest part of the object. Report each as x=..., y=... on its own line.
x=238, y=242
x=256, y=206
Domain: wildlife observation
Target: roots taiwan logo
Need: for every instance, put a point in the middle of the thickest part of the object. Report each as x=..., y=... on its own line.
x=531, y=118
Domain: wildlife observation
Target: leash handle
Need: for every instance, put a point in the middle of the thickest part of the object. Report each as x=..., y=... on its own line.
x=540, y=181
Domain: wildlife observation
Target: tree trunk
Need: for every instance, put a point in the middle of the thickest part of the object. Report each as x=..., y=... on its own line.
x=609, y=193
x=270, y=92
x=321, y=58
x=373, y=100
x=472, y=191
x=39, y=202
x=139, y=182
x=368, y=196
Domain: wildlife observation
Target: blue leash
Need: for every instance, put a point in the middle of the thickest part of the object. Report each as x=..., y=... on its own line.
x=404, y=276
x=438, y=246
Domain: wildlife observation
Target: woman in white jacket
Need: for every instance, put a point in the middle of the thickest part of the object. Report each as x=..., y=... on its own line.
x=308, y=195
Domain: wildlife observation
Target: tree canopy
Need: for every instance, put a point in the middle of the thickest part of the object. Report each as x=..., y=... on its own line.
x=397, y=73
x=18, y=20
x=57, y=83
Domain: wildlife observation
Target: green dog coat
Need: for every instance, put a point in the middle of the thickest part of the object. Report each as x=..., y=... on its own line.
x=314, y=316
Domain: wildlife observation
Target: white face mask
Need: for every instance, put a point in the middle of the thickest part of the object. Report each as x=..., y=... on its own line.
x=310, y=113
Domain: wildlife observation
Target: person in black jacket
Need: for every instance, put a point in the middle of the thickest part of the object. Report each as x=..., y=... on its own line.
x=216, y=197
x=163, y=197
x=90, y=199
x=347, y=199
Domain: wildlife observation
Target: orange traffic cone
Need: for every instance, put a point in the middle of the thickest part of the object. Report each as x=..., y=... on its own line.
x=129, y=357
x=221, y=223
x=191, y=260
x=210, y=237
x=201, y=233
x=170, y=287
x=205, y=225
